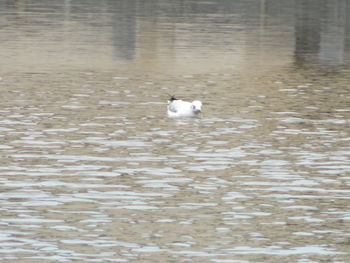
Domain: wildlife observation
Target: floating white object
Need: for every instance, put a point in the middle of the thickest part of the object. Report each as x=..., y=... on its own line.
x=184, y=109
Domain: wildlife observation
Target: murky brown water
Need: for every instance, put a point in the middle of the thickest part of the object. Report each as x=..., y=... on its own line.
x=92, y=170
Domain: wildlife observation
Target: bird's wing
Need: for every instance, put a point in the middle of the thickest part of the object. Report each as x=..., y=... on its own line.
x=178, y=105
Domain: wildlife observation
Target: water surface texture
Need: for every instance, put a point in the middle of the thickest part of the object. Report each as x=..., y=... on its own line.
x=92, y=170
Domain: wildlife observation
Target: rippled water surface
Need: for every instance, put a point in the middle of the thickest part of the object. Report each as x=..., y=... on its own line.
x=92, y=170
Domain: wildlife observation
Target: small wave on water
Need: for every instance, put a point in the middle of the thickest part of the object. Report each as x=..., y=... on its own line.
x=216, y=188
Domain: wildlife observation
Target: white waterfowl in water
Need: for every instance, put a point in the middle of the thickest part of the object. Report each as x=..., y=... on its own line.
x=184, y=109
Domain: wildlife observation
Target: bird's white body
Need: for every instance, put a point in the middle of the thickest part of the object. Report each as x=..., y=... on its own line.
x=184, y=109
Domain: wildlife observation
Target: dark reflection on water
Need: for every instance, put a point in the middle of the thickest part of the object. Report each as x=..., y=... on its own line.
x=124, y=29
x=313, y=32
x=322, y=32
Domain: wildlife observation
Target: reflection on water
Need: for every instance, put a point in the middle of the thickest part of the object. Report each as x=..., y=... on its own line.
x=322, y=33
x=92, y=170
x=124, y=29
x=173, y=36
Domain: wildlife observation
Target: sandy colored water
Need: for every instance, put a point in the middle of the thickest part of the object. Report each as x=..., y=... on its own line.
x=92, y=170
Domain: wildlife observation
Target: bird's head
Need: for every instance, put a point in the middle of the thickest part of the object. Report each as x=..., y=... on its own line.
x=197, y=106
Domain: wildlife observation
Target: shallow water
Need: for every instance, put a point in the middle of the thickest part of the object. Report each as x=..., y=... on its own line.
x=93, y=171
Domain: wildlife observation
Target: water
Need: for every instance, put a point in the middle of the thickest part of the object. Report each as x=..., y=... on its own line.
x=92, y=170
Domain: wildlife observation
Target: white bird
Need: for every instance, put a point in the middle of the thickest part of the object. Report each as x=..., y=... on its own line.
x=179, y=108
